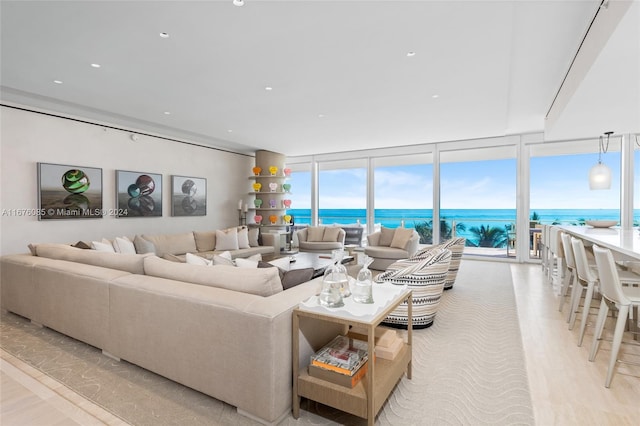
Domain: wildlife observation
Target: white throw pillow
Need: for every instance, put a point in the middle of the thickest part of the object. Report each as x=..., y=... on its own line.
x=254, y=233
x=223, y=258
x=283, y=263
x=193, y=259
x=102, y=246
x=248, y=262
x=227, y=239
x=243, y=238
x=124, y=245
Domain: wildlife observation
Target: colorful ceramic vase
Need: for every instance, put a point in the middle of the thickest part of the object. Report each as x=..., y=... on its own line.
x=286, y=187
x=273, y=219
x=272, y=203
x=257, y=202
x=287, y=172
x=273, y=170
x=273, y=186
x=257, y=186
x=256, y=170
x=287, y=218
x=287, y=203
x=257, y=218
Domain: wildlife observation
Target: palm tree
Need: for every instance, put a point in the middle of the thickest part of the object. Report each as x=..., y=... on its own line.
x=488, y=236
x=425, y=230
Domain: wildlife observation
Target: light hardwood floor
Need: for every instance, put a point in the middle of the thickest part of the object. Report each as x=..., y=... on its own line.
x=566, y=389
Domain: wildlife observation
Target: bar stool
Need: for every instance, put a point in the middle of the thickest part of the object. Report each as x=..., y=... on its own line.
x=555, y=266
x=614, y=294
x=590, y=279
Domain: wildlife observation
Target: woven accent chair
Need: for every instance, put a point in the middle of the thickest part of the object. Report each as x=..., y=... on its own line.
x=425, y=277
x=456, y=245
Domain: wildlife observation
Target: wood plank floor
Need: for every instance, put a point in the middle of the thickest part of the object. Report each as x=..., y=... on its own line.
x=566, y=388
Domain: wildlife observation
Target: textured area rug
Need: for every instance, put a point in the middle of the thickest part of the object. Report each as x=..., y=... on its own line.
x=468, y=368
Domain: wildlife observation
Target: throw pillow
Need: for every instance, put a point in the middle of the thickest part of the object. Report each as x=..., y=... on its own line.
x=173, y=258
x=102, y=246
x=227, y=239
x=331, y=233
x=143, y=245
x=193, y=259
x=81, y=245
x=401, y=237
x=253, y=237
x=249, y=262
x=386, y=236
x=315, y=233
x=243, y=238
x=124, y=245
x=223, y=258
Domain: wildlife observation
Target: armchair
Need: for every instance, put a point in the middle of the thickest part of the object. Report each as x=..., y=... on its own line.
x=390, y=245
x=320, y=238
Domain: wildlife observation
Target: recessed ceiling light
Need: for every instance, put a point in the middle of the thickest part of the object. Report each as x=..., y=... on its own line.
x=435, y=96
x=230, y=131
x=320, y=115
x=268, y=88
x=238, y=2
x=167, y=113
x=95, y=65
x=57, y=81
x=164, y=35
x=410, y=54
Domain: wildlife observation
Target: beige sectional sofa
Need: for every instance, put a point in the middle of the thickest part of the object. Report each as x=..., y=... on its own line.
x=221, y=330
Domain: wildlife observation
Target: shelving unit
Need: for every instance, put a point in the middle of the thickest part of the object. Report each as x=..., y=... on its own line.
x=368, y=396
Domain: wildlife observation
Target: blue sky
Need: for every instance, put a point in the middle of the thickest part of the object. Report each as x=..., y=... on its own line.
x=559, y=182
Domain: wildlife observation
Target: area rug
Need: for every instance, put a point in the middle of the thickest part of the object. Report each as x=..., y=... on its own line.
x=468, y=368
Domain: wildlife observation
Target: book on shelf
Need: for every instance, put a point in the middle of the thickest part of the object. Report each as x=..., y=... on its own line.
x=343, y=355
x=337, y=378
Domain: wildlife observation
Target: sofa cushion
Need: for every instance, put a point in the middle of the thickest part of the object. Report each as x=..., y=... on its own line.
x=227, y=239
x=386, y=252
x=223, y=258
x=315, y=233
x=331, y=233
x=386, y=236
x=143, y=246
x=104, y=246
x=205, y=240
x=173, y=243
x=132, y=263
x=401, y=237
x=258, y=281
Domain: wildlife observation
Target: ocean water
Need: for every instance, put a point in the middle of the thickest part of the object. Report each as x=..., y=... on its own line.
x=468, y=217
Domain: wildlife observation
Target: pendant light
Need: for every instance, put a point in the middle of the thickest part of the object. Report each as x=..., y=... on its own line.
x=600, y=174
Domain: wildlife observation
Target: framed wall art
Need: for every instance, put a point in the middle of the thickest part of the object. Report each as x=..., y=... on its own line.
x=188, y=196
x=69, y=192
x=138, y=194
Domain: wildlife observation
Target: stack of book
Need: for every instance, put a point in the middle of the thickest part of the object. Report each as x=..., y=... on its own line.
x=342, y=361
x=387, y=341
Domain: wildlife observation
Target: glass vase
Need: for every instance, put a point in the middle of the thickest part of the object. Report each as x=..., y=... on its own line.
x=363, y=287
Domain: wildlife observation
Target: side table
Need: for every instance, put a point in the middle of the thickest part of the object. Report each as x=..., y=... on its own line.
x=367, y=397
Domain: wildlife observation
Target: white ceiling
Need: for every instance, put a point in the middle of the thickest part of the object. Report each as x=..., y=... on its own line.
x=339, y=70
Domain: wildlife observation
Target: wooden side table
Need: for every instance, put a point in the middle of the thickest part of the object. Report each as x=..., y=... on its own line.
x=367, y=397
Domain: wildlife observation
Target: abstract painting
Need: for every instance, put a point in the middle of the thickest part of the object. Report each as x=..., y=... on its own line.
x=69, y=192
x=139, y=194
x=188, y=196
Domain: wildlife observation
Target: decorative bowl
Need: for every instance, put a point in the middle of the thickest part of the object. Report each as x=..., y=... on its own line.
x=602, y=223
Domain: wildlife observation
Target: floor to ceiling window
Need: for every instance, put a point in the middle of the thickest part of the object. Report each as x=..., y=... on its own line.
x=403, y=187
x=559, y=183
x=478, y=198
x=635, y=140
x=342, y=192
x=300, y=187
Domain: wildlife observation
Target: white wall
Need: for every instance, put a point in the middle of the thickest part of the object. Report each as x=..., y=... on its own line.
x=27, y=138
